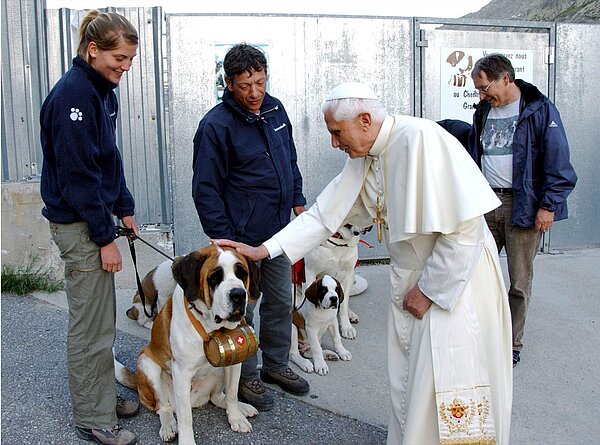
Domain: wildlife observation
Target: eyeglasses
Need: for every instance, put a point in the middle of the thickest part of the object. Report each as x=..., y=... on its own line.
x=485, y=90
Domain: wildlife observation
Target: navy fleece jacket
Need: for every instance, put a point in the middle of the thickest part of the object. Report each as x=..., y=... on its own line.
x=82, y=174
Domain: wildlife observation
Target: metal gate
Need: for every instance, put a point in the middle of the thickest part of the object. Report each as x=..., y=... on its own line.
x=406, y=60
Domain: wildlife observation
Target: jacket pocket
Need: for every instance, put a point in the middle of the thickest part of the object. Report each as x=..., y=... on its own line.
x=243, y=213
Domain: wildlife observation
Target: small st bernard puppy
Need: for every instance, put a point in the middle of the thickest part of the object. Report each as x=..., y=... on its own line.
x=173, y=374
x=337, y=257
x=318, y=313
x=158, y=286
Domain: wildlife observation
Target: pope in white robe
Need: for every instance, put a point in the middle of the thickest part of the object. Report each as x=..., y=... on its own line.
x=449, y=333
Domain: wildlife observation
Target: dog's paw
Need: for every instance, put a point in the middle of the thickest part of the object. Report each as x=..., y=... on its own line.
x=352, y=317
x=240, y=424
x=344, y=354
x=321, y=367
x=303, y=363
x=168, y=429
x=348, y=332
x=247, y=410
x=330, y=355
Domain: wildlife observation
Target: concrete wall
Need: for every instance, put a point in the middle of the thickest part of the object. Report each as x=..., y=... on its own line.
x=25, y=233
x=26, y=236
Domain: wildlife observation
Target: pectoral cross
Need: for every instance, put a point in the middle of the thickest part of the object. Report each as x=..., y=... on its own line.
x=379, y=219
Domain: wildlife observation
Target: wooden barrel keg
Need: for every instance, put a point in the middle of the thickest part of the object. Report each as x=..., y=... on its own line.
x=227, y=347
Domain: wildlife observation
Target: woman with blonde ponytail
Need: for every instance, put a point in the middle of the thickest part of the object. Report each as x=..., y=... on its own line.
x=83, y=187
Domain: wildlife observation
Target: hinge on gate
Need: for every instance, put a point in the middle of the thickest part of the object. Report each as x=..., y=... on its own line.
x=422, y=42
x=550, y=53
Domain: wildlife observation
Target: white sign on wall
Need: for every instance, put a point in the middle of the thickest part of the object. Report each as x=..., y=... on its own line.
x=457, y=92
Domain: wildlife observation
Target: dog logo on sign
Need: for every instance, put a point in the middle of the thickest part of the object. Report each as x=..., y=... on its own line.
x=463, y=63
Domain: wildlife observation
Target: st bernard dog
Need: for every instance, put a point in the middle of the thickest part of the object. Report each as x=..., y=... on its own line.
x=337, y=257
x=173, y=374
x=158, y=286
x=318, y=313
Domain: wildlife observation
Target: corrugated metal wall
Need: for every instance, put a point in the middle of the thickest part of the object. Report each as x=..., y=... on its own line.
x=24, y=86
x=308, y=55
x=28, y=74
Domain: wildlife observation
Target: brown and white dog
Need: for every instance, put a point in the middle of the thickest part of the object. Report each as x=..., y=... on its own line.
x=173, y=374
x=317, y=313
x=158, y=286
x=337, y=257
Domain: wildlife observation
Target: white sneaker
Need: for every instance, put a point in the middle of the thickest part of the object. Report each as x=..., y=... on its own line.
x=359, y=286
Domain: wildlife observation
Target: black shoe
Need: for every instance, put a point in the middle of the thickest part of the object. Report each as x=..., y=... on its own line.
x=114, y=436
x=255, y=393
x=287, y=380
x=126, y=408
x=516, y=358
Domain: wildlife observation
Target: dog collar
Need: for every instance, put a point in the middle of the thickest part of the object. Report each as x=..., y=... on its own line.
x=336, y=244
x=197, y=325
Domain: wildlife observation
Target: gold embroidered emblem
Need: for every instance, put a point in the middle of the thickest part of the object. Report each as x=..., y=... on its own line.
x=457, y=409
x=458, y=416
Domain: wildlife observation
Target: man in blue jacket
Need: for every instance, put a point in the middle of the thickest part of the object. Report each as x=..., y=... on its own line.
x=519, y=142
x=246, y=183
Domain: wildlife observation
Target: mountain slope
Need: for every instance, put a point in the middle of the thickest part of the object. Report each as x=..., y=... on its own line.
x=570, y=11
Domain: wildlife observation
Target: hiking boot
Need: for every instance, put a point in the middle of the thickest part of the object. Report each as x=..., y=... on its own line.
x=255, y=393
x=287, y=380
x=516, y=358
x=126, y=408
x=114, y=436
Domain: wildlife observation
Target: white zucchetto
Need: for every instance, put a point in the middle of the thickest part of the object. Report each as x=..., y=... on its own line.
x=355, y=90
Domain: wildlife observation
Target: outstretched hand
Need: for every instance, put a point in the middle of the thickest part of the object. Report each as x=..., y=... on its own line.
x=254, y=253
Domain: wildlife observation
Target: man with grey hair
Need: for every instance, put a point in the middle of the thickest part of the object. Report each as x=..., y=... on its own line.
x=520, y=144
x=449, y=348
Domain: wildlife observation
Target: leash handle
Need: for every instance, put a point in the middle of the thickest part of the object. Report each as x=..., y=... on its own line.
x=131, y=237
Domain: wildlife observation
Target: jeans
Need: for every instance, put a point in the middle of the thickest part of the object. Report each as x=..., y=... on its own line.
x=91, y=331
x=275, y=317
x=521, y=245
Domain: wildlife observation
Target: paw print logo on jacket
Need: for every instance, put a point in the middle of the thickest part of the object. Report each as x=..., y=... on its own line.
x=76, y=115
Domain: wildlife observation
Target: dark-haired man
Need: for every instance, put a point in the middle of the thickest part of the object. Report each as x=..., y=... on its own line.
x=519, y=142
x=246, y=183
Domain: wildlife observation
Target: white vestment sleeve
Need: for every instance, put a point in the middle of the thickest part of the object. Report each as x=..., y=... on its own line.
x=302, y=234
x=452, y=262
x=273, y=247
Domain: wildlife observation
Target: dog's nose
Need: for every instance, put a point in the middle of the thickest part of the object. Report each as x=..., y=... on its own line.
x=238, y=296
x=334, y=301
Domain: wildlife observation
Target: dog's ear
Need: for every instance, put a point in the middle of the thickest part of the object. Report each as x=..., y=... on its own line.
x=254, y=292
x=186, y=271
x=312, y=292
x=339, y=290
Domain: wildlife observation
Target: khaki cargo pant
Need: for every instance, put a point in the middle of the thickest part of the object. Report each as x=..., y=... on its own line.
x=91, y=331
x=521, y=245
